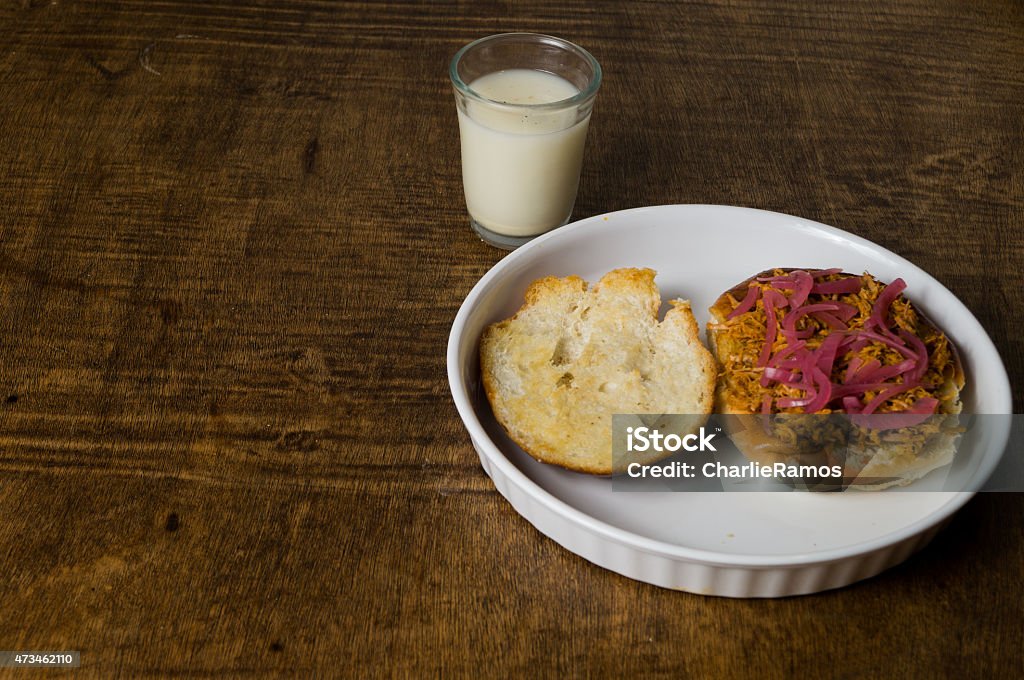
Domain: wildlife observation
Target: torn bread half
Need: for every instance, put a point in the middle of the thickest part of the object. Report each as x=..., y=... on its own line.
x=575, y=355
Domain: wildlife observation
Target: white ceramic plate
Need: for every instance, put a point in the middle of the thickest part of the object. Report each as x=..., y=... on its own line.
x=733, y=544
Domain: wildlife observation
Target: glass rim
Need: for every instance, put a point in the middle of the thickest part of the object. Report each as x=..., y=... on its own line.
x=578, y=98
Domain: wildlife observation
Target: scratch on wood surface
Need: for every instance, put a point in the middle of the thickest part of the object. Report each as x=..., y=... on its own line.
x=144, y=58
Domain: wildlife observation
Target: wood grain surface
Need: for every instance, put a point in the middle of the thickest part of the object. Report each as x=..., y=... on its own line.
x=233, y=241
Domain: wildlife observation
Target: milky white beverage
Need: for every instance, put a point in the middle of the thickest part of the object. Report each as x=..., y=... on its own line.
x=521, y=167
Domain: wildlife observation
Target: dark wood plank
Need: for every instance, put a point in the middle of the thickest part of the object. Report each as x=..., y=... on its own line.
x=232, y=242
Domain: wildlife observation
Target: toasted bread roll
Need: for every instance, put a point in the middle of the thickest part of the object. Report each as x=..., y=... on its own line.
x=574, y=355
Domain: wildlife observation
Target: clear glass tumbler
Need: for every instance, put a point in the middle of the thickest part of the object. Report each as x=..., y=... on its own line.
x=524, y=102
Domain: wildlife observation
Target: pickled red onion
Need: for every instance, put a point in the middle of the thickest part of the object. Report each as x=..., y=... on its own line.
x=880, y=311
x=748, y=302
x=799, y=367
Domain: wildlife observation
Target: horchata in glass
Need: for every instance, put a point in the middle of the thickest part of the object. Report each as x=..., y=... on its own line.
x=524, y=102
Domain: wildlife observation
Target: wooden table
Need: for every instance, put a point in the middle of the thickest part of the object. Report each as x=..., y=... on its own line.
x=233, y=241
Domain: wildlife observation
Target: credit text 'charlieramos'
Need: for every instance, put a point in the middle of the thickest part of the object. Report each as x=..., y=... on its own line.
x=681, y=470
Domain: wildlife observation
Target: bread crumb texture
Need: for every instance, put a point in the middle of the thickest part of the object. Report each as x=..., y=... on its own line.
x=575, y=355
